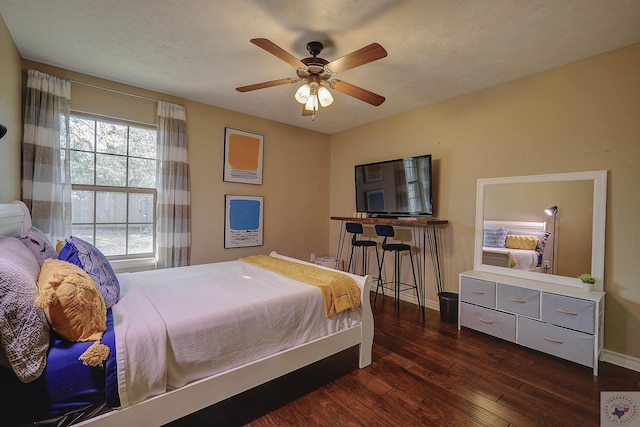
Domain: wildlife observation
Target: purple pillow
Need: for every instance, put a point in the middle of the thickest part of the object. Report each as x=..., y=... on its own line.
x=38, y=244
x=24, y=330
x=95, y=264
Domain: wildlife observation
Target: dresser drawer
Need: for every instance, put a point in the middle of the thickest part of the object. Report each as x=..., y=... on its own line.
x=518, y=300
x=477, y=291
x=574, y=313
x=492, y=322
x=565, y=343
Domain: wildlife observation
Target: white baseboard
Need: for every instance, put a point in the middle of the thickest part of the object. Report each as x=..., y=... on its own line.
x=618, y=359
x=433, y=305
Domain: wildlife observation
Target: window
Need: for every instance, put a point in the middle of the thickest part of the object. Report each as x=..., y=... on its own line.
x=113, y=177
x=413, y=185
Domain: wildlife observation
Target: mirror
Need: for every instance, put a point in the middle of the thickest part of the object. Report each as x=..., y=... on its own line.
x=576, y=232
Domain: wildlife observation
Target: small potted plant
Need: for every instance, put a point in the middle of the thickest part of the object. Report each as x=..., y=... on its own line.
x=587, y=281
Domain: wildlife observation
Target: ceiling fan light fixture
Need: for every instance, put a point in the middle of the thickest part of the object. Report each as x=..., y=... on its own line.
x=324, y=96
x=302, y=94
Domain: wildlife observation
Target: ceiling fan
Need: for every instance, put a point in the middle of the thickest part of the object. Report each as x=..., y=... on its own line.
x=317, y=73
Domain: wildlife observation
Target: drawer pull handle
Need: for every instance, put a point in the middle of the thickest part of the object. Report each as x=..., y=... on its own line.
x=552, y=340
x=477, y=292
x=573, y=313
x=485, y=320
x=517, y=300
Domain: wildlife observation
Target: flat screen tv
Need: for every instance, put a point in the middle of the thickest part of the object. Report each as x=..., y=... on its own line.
x=395, y=188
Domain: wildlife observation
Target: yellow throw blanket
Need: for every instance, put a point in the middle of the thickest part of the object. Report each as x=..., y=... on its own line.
x=339, y=291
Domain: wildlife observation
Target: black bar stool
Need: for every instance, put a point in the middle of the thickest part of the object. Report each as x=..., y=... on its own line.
x=355, y=228
x=387, y=231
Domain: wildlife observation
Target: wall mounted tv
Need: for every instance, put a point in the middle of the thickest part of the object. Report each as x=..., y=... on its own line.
x=400, y=187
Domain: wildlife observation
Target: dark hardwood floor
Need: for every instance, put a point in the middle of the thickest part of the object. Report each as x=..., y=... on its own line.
x=426, y=374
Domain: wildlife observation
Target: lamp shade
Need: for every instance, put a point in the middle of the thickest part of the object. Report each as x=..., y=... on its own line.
x=551, y=211
x=324, y=96
x=312, y=103
x=302, y=94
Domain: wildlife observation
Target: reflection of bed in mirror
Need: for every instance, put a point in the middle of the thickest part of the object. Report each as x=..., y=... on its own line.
x=514, y=244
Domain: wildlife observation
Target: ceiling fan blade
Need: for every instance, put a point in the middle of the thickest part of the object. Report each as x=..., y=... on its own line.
x=362, y=56
x=266, y=84
x=357, y=92
x=276, y=50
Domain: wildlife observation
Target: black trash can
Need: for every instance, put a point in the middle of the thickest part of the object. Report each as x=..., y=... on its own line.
x=448, y=307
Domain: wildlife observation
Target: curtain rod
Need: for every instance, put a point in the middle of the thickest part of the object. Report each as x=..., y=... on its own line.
x=119, y=92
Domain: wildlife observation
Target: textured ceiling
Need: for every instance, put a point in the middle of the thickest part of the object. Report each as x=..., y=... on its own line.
x=200, y=49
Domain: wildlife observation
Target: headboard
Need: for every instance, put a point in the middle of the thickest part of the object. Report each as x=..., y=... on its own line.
x=14, y=219
x=517, y=227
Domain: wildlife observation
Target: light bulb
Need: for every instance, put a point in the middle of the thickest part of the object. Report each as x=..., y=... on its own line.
x=312, y=103
x=302, y=94
x=324, y=96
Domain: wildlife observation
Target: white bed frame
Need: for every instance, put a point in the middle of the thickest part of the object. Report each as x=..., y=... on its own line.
x=192, y=397
x=502, y=259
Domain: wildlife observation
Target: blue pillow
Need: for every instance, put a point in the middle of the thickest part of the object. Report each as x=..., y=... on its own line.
x=95, y=264
x=495, y=238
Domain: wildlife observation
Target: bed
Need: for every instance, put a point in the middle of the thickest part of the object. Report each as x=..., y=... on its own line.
x=514, y=244
x=172, y=354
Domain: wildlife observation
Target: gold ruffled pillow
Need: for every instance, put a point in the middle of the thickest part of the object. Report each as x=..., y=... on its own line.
x=517, y=241
x=73, y=306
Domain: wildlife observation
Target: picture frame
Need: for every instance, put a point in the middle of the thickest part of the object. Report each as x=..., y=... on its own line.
x=376, y=201
x=373, y=173
x=243, y=156
x=244, y=219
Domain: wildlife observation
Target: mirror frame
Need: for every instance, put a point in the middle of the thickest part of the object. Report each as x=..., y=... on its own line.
x=599, y=179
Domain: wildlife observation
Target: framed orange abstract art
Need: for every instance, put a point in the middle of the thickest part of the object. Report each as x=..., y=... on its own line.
x=243, y=156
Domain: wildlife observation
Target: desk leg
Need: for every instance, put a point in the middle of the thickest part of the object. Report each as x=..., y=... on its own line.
x=433, y=236
x=420, y=239
x=343, y=233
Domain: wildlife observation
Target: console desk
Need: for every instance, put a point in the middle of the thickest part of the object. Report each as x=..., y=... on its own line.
x=426, y=235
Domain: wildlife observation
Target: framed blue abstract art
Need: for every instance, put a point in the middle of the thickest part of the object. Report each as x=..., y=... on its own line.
x=243, y=221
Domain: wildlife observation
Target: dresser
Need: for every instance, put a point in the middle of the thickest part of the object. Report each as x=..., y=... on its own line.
x=562, y=321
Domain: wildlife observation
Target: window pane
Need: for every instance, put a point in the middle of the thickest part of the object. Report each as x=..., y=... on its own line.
x=82, y=205
x=82, y=167
x=111, y=239
x=84, y=232
x=111, y=207
x=142, y=173
x=81, y=133
x=111, y=154
x=141, y=207
x=140, y=238
x=112, y=138
x=111, y=170
x=142, y=142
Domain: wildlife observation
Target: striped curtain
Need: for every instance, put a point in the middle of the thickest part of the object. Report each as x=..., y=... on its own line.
x=46, y=174
x=173, y=229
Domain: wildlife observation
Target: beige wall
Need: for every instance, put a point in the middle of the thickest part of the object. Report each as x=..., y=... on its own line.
x=295, y=169
x=10, y=116
x=583, y=116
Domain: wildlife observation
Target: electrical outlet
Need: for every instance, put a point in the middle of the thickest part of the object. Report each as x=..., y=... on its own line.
x=313, y=258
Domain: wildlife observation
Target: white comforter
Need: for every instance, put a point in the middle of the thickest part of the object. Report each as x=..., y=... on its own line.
x=175, y=326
